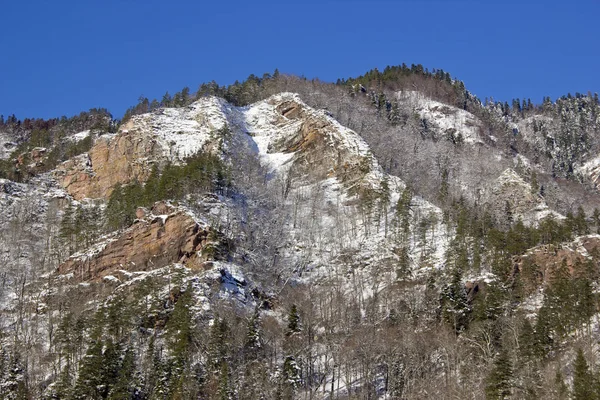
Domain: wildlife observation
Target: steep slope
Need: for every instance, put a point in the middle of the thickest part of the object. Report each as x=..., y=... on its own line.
x=163, y=236
x=337, y=207
x=146, y=140
x=510, y=197
x=7, y=145
x=448, y=122
x=340, y=206
x=268, y=285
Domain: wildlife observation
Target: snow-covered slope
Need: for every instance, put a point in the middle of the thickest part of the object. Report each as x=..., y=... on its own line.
x=339, y=203
x=454, y=123
x=7, y=145
x=590, y=171
x=510, y=190
x=182, y=132
x=335, y=204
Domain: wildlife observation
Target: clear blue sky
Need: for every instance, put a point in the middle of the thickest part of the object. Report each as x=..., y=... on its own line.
x=62, y=57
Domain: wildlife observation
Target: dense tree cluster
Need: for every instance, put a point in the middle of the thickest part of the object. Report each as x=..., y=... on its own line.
x=198, y=174
x=53, y=136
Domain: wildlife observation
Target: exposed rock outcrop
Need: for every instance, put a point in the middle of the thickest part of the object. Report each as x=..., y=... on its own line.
x=537, y=266
x=167, y=135
x=114, y=159
x=509, y=196
x=323, y=148
x=157, y=240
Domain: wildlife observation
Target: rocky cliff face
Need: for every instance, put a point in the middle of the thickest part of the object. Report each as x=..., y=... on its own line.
x=146, y=140
x=540, y=263
x=321, y=147
x=165, y=235
x=511, y=197
x=123, y=158
x=322, y=175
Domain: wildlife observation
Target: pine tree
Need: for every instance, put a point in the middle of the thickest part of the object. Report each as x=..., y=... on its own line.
x=14, y=384
x=89, y=382
x=582, y=378
x=252, y=342
x=596, y=219
x=166, y=100
x=224, y=382
x=63, y=387
x=403, y=268
x=581, y=225
x=67, y=228
x=403, y=216
x=111, y=366
x=455, y=306
x=218, y=344
x=290, y=377
x=124, y=387
x=527, y=342
x=499, y=382
x=293, y=321
x=180, y=324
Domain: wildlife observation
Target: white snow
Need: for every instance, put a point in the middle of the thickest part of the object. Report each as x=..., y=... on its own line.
x=326, y=225
x=590, y=170
x=112, y=279
x=183, y=132
x=269, y=129
x=446, y=118
x=7, y=146
x=79, y=136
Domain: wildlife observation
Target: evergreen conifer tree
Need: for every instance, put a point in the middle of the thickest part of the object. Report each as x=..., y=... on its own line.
x=583, y=388
x=499, y=382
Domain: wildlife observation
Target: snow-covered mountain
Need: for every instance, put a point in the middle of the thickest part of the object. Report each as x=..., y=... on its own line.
x=306, y=229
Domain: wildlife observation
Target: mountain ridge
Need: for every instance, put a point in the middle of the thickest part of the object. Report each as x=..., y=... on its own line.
x=272, y=234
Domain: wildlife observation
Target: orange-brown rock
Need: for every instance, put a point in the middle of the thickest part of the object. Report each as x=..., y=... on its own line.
x=32, y=162
x=318, y=146
x=124, y=158
x=151, y=243
x=537, y=266
x=141, y=212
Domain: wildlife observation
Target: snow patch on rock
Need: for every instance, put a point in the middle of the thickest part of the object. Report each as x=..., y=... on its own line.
x=447, y=119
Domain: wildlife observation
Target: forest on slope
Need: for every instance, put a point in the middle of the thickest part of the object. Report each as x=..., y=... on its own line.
x=509, y=311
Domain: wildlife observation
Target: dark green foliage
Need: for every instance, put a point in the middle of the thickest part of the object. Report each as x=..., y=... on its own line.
x=583, y=387
x=239, y=93
x=218, y=342
x=90, y=380
x=252, y=343
x=293, y=325
x=402, y=217
x=491, y=304
x=125, y=383
x=568, y=302
x=403, y=267
x=403, y=77
x=528, y=346
x=13, y=377
x=201, y=173
x=499, y=381
x=290, y=377
x=456, y=310
x=80, y=226
x=121, y=206
x=179, y=326
x=52, y=135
